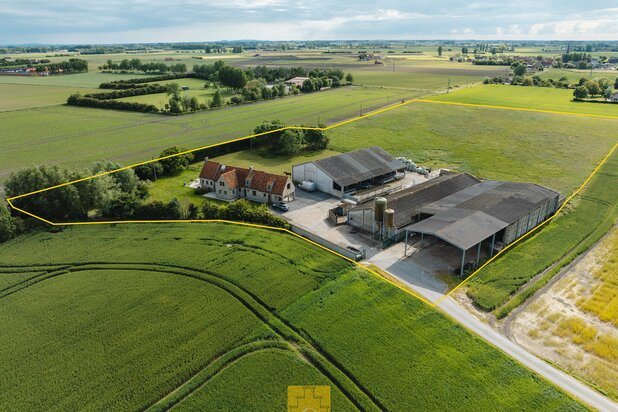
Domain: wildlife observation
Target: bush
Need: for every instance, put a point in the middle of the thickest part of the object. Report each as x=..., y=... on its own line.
x=243, y=211
x=8, y=228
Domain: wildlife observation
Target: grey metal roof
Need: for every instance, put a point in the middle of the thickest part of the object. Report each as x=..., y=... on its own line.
x=460, y=227
x=410, y=202
x=354, y=167
x=470, y=215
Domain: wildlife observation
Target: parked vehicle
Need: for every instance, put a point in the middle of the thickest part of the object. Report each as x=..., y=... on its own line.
x=307, y=186
x=281, y=206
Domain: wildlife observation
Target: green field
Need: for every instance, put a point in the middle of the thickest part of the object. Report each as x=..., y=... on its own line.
x=542, y=98
x=91, y=80
x=218, y=307
x=553, y=150
x=574, y=75
x=78, y=137
x=559, y=242
x=20, y=96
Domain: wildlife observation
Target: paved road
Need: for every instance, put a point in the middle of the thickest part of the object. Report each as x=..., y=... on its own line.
x=413, y=276
x=559, y=378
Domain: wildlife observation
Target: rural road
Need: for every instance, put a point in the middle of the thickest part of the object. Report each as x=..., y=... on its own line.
x=558, y=377
x=422, y=282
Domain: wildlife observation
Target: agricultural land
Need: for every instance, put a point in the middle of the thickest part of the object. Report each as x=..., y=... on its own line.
x=147, y=288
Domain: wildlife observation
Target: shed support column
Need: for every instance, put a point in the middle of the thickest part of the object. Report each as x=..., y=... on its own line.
x=463, y=261
x=493, y=242
x=405, y=250
x=478, y=254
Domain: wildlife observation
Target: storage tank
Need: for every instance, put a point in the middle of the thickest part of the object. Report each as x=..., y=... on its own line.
x=389, y=218
x=379, y=208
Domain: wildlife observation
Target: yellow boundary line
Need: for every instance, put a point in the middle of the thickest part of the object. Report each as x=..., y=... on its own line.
x=354, y=119
x=519, y=109
x=525, y=235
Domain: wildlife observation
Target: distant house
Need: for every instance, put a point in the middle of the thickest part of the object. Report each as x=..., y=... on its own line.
x=296, y=81
x=230, y=183
x=613, y=98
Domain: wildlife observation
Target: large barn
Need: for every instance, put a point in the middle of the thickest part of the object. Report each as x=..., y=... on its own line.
x=347, y=172
x=461, y=210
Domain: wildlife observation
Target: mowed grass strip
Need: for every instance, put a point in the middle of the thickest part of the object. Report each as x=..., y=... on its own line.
x=357, y=321
x=593, y=213
x=112, y=340
x=553, y=150
x=527, y=97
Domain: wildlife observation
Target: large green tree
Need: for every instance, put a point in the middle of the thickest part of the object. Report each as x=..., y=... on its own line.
x=175, y=163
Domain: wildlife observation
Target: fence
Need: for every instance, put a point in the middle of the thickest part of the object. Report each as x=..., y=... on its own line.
x=356, y=256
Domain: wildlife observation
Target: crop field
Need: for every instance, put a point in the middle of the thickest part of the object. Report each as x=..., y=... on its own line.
x=424, y=81
x=574, y=323
x=603, y=299
x=559, y=242
x=91, y=80
x=20, y=96
x=491, y=143
x=62, y=134
x=542, y=98
x=217, y=307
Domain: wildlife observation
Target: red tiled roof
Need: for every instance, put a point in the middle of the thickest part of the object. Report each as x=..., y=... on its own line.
x=247, y=178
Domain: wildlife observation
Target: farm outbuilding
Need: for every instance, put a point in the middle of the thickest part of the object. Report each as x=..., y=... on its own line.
x=463, y=211
x=348, y=172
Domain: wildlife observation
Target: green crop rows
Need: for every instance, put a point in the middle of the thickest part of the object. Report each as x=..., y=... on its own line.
x=217, y=307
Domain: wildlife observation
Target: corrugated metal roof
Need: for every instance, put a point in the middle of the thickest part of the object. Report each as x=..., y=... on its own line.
x=410, y=202
x=473, y=213
x=354, y=167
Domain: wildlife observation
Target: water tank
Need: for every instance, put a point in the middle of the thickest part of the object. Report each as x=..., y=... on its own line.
x=379, y=207
x=389, y=217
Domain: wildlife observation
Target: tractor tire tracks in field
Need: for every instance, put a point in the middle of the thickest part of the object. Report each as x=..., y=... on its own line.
x=296, y=341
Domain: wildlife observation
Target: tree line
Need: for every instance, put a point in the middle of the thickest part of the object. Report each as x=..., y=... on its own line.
x=136, y=65
x=71, y=66
x=288, y=142
x=78, y=100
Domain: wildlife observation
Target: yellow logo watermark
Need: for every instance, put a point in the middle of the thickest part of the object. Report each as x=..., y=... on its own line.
x=308, y=398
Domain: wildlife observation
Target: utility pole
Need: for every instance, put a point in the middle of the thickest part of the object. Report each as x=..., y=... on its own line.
x=448, y=88
x=361, y=109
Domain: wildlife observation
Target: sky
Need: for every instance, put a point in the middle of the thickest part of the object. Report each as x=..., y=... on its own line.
x=125, y=21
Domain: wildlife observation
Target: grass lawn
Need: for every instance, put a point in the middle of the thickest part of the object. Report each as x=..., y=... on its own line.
x=21, y=96
x=543, y=98
x=217, y=307
x=170, y=187
x=553, y=150
x=77, y=137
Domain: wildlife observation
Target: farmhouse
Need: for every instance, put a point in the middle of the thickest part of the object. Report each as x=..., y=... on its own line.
x=230, y=183
x=296, y=81
x=348, y=172
x=461, y=210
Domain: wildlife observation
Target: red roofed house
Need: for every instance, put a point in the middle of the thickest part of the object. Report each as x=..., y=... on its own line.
x=229, y=183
